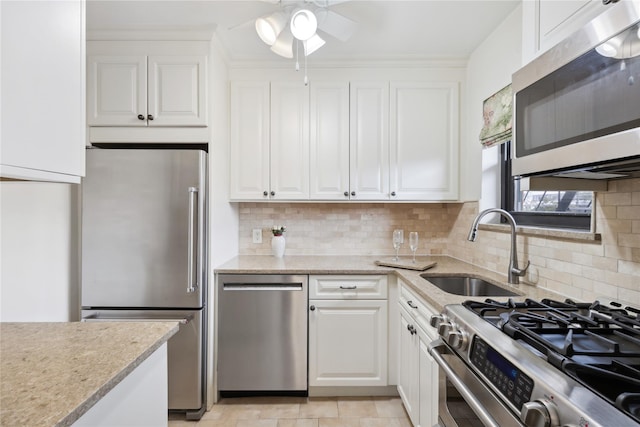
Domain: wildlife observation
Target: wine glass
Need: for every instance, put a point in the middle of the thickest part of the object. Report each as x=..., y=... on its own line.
x=398, y=240
x=413, y=244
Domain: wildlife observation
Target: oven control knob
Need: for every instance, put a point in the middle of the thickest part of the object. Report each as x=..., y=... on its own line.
x=539, y=413
x=444, y=328
x=436, y=319
x=458, y=339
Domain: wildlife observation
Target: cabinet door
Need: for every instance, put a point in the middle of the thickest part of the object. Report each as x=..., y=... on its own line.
x=329, y=162
x=289, y=141
x=117, y=91
x=348, y=343
x=429, y=384
x=177, y=91
x=369, y=141
x=409, y=367
x=424, y=141
x=249, y=134
x=43, y=90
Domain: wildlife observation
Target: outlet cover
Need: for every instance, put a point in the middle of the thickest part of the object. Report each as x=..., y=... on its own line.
x=257, y=235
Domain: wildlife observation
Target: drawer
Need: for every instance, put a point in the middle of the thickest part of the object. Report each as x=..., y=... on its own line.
x=348, y=287
x=420, y=310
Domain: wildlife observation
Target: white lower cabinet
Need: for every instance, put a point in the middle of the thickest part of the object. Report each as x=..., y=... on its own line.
x=347, y=335
x=140, y=399
x=417, y=370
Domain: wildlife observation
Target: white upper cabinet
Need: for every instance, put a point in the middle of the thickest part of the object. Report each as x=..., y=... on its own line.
x=369, y=145
x=140, y=90
x=117, y=90
x=329, y=141
x=42, y=129
x=424, y=141
x=289, y=141
x=249, y=135
x=269, y=154
x=548, y=22
x=342, y=141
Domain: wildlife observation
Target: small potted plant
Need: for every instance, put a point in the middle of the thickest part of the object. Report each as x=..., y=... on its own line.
x=277, y=241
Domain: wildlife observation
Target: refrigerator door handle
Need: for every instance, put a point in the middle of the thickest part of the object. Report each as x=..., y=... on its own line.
x=192, y=275
x=94, y=318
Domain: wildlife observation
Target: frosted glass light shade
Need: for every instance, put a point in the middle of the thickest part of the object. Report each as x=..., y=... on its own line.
x=303, y=24
x=283, y=45
x=269, y=27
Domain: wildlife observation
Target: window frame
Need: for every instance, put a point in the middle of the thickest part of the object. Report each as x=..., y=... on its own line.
x=550, y=220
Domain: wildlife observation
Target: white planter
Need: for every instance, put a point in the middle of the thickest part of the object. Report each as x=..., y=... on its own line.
x=277, y=246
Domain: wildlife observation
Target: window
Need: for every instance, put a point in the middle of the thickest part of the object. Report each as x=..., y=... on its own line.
x=548, y=209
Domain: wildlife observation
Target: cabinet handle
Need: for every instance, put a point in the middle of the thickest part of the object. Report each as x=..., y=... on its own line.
x=348, y=287
x=150, y=117
x=411, y=329
x=273, y=193
x=346, y=194
x=353, y=193
x=411, y=304
x=140, y=117
x=265, y=193
x=312, y=308
x=393, y=194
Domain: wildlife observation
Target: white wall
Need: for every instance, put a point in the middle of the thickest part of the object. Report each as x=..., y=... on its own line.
x=39, y=252
x=489, y=69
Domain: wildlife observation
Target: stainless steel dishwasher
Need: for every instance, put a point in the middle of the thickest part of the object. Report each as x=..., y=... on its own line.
x=262, y=334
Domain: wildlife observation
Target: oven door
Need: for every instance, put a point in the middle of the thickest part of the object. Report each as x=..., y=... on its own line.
x=464, y=398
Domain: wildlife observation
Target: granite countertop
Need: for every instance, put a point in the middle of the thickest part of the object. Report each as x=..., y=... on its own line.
x=52, y=373
x=265, y=264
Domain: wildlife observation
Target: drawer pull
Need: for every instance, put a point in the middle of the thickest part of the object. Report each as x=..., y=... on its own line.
x=411, y=304
x=348, y=287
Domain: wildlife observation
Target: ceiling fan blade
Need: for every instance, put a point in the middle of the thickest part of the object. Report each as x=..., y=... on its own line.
x=335, y=24
x=328, y=3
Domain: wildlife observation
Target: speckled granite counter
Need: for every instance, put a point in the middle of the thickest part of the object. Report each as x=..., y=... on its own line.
x=366, y=265
x=52, y=373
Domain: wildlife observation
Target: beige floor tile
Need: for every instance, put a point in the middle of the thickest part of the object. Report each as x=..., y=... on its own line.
x=378, y=422
x=319, y=408
x=257, y=423
x=214, y=423
x=389, y=407
x=339, y=422
x=308, y=422
x=361, y=407
x=280, y=410
x=404, y=422
x=180, y=423
x=214, y=413
x=240, y=412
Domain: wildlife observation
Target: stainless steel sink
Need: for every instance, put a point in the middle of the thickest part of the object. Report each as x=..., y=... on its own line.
x=467, y=286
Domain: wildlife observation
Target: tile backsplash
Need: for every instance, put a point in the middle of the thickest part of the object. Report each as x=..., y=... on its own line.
x=578, y=269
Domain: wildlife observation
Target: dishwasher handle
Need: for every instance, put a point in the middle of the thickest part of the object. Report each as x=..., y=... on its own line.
x=95, y=318
x=262, y=287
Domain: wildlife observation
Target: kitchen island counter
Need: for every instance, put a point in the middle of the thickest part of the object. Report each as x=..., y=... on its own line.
x=265, y=264
x=53, y=373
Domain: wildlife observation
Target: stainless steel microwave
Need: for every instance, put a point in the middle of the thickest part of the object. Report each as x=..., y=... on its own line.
x=577, y=106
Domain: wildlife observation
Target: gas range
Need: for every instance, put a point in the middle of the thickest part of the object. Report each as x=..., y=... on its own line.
x=551, y=363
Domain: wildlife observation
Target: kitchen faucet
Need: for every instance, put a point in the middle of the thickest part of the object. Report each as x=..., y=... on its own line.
x=514, y=271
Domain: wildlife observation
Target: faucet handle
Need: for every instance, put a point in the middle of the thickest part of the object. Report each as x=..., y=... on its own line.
x=520, y=272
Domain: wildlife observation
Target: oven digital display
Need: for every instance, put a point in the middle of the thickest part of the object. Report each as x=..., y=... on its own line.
x=505, y=376
x=502, y=364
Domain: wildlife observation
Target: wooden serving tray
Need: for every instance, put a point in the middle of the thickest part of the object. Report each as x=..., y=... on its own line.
x=407, y=264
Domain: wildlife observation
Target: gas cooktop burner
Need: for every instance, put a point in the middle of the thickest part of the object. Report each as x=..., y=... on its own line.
x=596, y=344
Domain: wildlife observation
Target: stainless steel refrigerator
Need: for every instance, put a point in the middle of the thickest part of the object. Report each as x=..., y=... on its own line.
x=144, y=253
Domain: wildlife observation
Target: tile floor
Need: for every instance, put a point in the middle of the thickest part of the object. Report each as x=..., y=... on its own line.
x=302, y=412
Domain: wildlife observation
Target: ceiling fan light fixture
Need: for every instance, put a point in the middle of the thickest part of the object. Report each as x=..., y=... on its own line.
x=283, y=45
x=312, y=44
x=303, y=24
x=269, y=27
x=610, y=48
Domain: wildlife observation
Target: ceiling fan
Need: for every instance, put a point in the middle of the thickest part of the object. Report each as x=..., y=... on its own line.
x=299, y=22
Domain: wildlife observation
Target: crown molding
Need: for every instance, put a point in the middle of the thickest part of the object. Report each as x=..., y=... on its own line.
x=173, y=34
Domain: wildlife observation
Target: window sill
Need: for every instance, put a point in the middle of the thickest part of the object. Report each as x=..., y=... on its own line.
x=583, y=236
